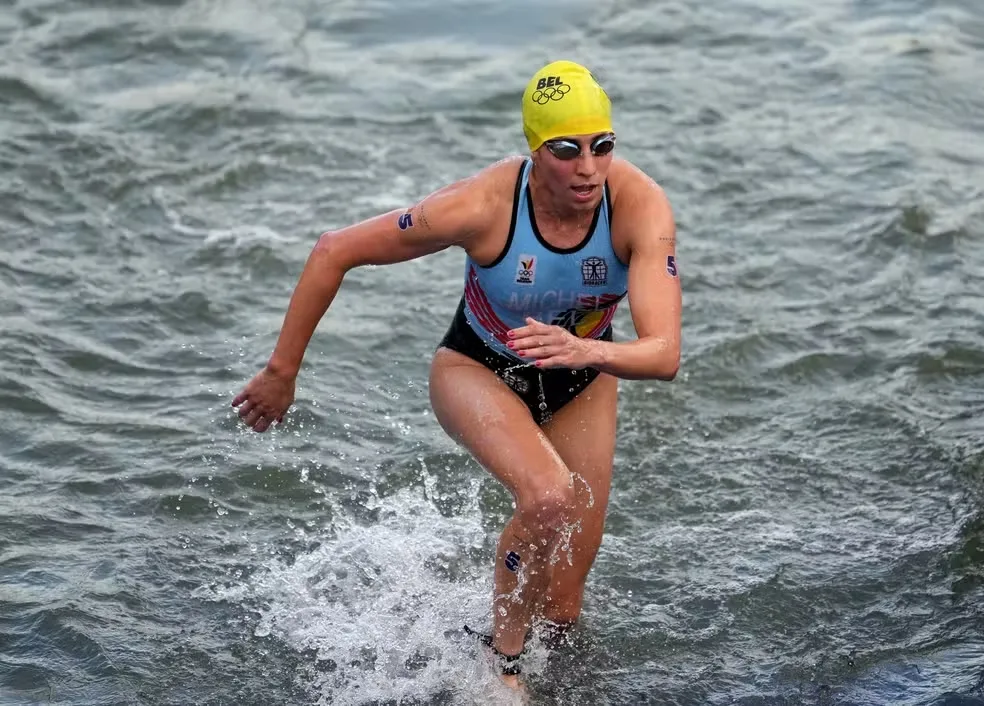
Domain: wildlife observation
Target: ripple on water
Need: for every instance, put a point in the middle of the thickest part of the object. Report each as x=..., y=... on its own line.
x=792, y=519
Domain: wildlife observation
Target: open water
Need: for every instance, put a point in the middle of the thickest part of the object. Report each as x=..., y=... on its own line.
x=796, y=519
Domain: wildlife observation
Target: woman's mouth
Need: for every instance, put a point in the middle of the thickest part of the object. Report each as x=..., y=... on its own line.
x=583, y=192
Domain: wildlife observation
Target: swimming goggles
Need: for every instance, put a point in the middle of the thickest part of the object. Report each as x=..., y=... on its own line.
x=569, y=149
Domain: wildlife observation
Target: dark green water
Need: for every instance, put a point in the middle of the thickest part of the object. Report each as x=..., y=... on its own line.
x=796, y=519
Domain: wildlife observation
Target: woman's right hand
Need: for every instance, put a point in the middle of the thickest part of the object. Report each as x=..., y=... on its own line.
x=265, y=399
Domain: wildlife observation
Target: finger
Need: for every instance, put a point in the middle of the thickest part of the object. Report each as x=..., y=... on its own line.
x=532, y=328
x=541, y=333
x=247, y=407
x=521, y=332
x=239, y=399
x=537, y=341
x=254, y=417
x=550, y=361
x=522, y=344
x=541, y=352
x=262, y=425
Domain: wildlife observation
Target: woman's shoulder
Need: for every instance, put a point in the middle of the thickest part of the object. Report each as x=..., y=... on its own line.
x=628, y=183
x=492, y=184
x=623, y=172
x=504, y=171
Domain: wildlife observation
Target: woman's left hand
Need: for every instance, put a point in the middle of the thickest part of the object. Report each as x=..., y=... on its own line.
x=551, y=346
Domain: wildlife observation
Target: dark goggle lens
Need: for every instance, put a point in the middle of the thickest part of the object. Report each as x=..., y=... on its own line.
x=564, y=149
x=568, y=149
x=603, y=145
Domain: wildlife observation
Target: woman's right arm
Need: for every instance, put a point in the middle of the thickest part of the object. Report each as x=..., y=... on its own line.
x=453, y=215
x=449, y=216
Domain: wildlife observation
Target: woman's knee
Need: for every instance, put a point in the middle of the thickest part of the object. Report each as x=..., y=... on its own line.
x=546, y=508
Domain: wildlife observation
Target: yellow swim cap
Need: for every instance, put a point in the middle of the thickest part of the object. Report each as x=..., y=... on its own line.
x=563, y=99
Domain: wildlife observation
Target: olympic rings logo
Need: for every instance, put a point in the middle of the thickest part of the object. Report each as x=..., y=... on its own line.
x=550, y=93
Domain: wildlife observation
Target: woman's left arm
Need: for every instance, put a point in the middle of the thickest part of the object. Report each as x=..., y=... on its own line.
x=655, y=297
x=644, y=223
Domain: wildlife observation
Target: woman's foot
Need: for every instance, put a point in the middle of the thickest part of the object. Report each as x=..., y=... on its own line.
x=516, y=686
x=512, y=681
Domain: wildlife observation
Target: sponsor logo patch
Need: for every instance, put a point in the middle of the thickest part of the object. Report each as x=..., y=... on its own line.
x=594, y=271
x=526, y=269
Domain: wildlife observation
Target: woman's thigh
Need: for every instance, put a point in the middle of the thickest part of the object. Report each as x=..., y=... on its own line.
x=479, y=411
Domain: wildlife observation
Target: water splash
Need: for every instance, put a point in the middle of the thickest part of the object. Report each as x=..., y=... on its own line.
x=378, y=608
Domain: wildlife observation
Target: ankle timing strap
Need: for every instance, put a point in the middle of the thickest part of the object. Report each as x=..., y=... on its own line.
x=508, y=664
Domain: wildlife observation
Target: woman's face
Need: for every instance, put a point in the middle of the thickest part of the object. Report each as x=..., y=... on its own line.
x=575, y=178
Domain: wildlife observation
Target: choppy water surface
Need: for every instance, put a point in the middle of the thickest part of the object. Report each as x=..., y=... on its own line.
x=796, y=519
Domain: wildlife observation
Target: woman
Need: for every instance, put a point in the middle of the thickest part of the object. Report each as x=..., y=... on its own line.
x=526, y=376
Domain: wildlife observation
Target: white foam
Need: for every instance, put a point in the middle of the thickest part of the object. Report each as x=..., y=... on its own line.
x=383, y=606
